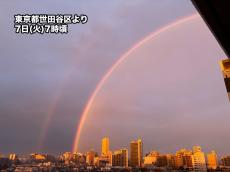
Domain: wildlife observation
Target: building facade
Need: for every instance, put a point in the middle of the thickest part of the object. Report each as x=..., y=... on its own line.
x=225, y=161
x=105, y=146
x=212, y=160
x=151, y=158
x=136, y=153
x=90, y=156
x=198, y=159
x=120, y=158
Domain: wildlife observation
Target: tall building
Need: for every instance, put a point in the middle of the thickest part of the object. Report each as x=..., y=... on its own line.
x=107, y=158
x=178, y=160
x=151, y=158
x=120, y=158
x=79, y=158
x=90, y=157
x=169, y=160
x=67, y=156
x=162, y=161
x=183, y=159
x=187, y=160
x=13, y=157
x=198, y=159
x=106, y=154
x=105, y=146
x=110, y=157
x=225, y=161
x=38, y=157
x=212, y=160
x=136, y=153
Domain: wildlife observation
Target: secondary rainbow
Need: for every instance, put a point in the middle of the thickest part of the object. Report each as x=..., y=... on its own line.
x=115, y=65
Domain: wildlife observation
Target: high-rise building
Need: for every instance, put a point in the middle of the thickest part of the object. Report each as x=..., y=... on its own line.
x=39, y=157
x=198, y=160
x=187, y=160
x=178, y=160
x=183, y=159
x=107, y=158
x=105, y=146
x=79, y=158
x=90, y=157
x=212, y=160
x=120, y=158
x=151, y=158
x=13, y=157
x=162, y=161
x=106, y=154
x=67, y=156
x=169, y=160
x=225, y=161
x=136, y=153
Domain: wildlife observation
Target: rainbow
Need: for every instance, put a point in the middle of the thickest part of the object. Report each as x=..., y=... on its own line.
x=51, y=110
x=115, y=65
x=49, y=116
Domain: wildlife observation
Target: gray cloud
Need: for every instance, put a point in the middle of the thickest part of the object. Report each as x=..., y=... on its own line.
x=170, y=92
x=32, y=67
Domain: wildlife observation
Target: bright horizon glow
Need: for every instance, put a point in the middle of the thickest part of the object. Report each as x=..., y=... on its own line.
x=115, y=65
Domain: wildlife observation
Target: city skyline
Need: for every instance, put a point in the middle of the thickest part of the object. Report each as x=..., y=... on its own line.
x=105, y=148
x=133, y=158
x=102, y=151
x=121, y=75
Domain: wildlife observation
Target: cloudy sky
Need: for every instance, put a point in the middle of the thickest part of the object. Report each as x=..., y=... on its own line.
x=169, y=92
x=51, y=77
